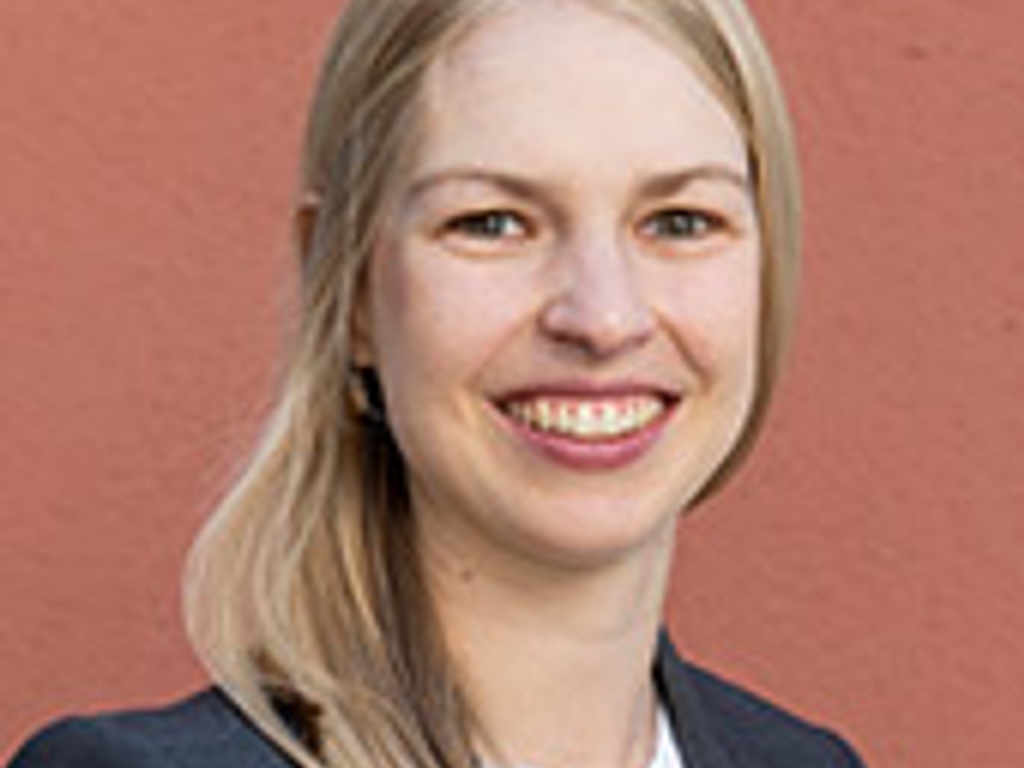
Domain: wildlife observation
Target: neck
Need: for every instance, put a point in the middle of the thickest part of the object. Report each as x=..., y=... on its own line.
x=556, y=664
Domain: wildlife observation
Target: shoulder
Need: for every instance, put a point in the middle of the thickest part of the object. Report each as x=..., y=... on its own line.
x=203, y=731
x=752, y=724
x=720, y=723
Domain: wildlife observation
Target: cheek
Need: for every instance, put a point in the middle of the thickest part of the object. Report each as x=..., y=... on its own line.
x=435, y=317
x=715, y=313
x=404, y=315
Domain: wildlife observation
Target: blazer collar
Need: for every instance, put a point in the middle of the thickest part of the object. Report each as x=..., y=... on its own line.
x=692, y=725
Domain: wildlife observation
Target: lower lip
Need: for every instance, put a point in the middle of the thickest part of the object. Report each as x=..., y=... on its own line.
x=596, y=455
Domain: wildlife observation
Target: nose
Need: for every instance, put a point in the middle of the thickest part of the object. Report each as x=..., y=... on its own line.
x=598, y=305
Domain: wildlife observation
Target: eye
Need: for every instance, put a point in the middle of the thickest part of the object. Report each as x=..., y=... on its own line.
x=683, y=224
x=488, y=225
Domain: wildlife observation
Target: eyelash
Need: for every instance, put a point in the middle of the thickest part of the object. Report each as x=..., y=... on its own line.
x=493, y=228
x=488, y=225
x=699, y=225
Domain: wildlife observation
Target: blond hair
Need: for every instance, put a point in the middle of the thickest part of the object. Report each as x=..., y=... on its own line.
x=303, y=592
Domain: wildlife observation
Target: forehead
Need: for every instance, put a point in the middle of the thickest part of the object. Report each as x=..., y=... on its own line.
x=561, y=79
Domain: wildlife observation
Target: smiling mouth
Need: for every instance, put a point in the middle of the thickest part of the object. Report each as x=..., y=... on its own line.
x=587, y=419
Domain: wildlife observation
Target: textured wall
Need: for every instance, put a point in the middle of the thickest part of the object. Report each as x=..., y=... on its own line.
x=865, y=569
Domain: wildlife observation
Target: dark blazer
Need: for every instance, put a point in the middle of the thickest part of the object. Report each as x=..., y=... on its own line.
x=716, y=725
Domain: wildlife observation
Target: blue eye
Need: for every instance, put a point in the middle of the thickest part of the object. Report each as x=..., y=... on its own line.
x=488, y=225
x=683, y=224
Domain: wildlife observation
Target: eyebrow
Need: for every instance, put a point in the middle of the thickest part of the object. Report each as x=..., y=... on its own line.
x=659, y=185
x=510, y=183
x=665, y=184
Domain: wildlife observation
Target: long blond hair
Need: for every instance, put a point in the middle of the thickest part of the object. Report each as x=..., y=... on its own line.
x=303, y=591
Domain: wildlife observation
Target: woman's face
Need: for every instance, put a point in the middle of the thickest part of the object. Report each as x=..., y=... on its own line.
x=564, y=314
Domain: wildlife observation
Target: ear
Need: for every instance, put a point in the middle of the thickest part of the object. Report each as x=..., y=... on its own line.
x=304, y=221
x=304, y=224
x=359, y=328
x=360, y=320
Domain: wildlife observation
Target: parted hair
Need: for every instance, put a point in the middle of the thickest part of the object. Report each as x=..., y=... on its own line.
x=303, y=592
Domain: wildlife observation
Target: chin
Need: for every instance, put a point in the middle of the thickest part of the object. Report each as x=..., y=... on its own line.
x=587, y=533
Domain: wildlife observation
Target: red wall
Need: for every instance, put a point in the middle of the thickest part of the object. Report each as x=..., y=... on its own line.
x=866, y=569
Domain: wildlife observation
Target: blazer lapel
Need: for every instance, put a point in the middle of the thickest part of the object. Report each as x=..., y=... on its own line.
x=692, y=725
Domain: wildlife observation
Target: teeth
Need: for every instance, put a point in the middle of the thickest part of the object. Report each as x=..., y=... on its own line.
x=587, y=419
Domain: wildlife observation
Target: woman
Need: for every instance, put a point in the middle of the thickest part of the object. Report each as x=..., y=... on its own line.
x=548, y=255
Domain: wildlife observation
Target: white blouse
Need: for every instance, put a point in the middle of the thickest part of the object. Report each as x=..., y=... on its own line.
x=666, y=753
